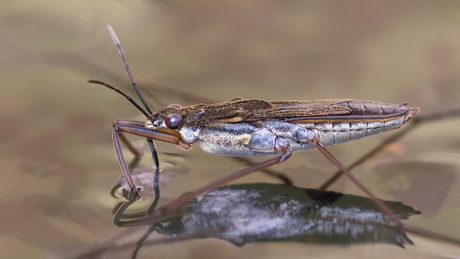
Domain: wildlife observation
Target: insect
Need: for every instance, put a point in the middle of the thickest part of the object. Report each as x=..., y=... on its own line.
x=242, y=127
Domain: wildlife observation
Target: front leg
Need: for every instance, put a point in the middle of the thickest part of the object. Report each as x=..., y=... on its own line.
x=141, y=131
x=134, y=151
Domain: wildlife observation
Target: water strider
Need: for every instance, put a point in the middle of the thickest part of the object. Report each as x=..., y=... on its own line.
x=242, y=127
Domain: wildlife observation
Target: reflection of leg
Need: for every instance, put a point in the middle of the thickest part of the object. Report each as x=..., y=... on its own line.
x=416, y=121
x=156, y=187
x=120, y=218
x=384, y=208
x=141, y=241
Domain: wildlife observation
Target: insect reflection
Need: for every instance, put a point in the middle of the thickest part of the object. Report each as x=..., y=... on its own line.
x=261, y=212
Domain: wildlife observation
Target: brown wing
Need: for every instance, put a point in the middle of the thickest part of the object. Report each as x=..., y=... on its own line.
x=242, y=110
x=301, y=109
x=235, y=110
x=362, y=111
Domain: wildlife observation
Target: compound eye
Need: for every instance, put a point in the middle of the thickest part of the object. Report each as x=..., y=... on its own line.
x=173, y=121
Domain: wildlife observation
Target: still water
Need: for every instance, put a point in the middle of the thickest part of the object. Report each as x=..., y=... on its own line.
x=57, y=156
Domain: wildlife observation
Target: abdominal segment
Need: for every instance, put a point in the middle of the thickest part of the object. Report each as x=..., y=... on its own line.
x=245, y=139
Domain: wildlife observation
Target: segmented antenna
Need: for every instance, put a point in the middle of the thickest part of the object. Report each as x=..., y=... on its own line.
x=120, y=50
x=120, y=92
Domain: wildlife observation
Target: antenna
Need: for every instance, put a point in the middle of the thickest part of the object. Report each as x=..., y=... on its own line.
x=125, y=95
x=117, y=42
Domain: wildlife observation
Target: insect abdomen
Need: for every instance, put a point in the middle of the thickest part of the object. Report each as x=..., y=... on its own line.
x=345, y=128
x=334, y=133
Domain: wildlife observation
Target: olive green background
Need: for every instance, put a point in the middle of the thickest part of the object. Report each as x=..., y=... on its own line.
x=57, y=160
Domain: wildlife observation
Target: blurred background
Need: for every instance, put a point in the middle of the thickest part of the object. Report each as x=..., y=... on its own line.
x=57, y=159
